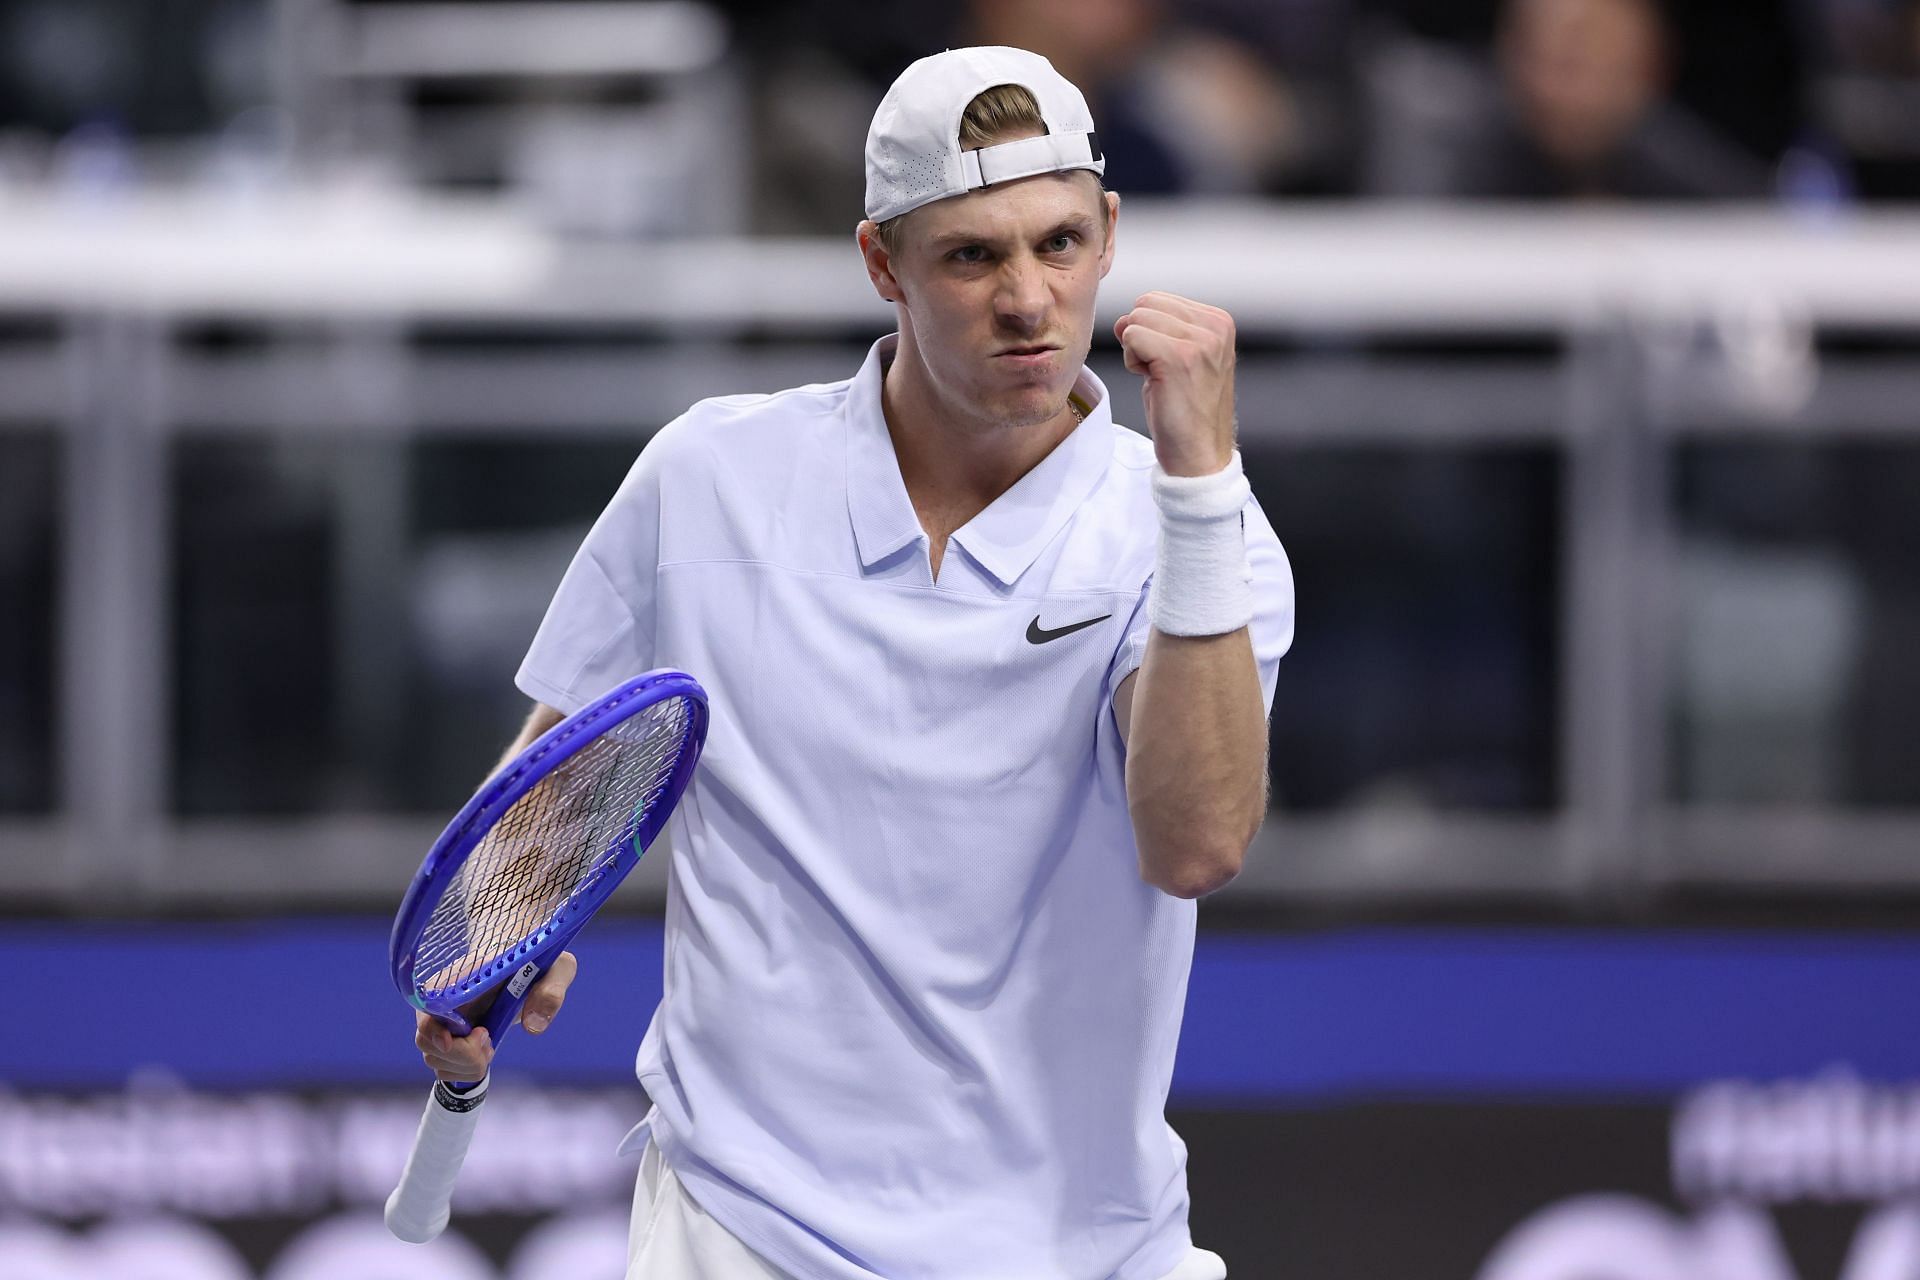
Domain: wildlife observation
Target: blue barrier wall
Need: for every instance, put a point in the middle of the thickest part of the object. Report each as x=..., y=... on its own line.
x=1273, y=1019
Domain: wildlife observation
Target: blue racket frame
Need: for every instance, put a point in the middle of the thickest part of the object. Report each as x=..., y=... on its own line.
x=470, y=826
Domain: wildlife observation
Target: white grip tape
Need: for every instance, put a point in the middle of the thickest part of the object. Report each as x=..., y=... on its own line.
x=418, y=1209
x=1202, y=584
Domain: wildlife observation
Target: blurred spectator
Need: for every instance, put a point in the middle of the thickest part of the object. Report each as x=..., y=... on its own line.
x=818, y=68
x=100, y=95
x=1179, y=108
x=1869, y=98
x=1873, y=35
x=1574, y=101
x=150, y=67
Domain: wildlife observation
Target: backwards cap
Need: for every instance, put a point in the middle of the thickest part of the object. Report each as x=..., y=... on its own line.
x=913, y=147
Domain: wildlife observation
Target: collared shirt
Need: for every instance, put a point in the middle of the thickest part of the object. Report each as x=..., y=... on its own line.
x=920, y=1009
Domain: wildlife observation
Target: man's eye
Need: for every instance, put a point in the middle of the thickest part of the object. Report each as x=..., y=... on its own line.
x=970, y=253
x=1060, y=243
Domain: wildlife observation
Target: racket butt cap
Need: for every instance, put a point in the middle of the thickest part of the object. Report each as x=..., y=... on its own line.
x=413, y=1230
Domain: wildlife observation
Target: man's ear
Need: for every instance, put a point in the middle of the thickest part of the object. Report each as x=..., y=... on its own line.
x=879, y=261
x=1112, y=201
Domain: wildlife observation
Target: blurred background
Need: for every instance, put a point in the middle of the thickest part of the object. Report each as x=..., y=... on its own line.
x=1580, y=375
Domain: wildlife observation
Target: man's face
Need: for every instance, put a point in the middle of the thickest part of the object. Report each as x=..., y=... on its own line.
x=996, y=290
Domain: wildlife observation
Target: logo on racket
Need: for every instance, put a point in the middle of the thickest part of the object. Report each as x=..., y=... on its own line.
x=517, y=985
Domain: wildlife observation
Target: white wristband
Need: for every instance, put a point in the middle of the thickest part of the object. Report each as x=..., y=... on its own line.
x=1202, y=584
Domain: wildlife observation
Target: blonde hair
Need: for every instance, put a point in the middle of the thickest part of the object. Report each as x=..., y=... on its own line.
x=989, y=118
x=994, y=113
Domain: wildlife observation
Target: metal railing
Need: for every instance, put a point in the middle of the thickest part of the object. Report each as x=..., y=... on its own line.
x=1651, y=330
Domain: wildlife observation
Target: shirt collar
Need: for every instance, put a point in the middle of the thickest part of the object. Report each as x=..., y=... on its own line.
x=1009, y=535
x=883, y=515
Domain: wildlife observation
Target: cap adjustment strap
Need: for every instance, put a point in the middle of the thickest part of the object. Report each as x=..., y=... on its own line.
x=1048, y=153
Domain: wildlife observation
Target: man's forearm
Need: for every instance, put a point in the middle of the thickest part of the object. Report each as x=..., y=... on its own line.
x=1196, y=760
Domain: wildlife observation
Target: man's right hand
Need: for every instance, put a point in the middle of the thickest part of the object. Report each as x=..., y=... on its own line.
x=450, y=1057
x=466, y=1058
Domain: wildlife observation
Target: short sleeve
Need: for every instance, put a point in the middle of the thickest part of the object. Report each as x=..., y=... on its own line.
x=1272, y=626
x=599, y=629
x=1132, y=650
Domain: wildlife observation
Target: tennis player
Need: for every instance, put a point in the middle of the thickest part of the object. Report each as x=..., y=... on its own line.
x=990, y=678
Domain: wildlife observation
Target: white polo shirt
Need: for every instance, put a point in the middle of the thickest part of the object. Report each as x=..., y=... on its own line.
x=920, y=1009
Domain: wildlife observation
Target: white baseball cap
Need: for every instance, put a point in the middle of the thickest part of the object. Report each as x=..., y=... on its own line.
x=913, y=147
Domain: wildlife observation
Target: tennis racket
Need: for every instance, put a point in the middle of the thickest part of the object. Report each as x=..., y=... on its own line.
x=514, y=877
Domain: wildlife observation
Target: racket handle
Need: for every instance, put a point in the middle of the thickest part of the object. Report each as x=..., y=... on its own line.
x=418, y=1209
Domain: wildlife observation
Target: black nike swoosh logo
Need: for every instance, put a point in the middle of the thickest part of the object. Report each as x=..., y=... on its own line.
x=1036, y=636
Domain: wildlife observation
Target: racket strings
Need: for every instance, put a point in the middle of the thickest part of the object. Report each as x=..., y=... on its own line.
x=550, y=844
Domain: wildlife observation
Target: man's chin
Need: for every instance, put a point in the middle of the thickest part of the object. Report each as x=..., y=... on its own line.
x=1030, y=409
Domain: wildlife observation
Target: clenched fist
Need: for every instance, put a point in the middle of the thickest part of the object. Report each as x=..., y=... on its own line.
x=1184, y=349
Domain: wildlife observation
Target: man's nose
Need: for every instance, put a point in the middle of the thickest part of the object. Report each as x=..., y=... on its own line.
x=1021, y=301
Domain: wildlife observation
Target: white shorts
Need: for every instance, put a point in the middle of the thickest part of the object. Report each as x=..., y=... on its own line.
x=672, y=1238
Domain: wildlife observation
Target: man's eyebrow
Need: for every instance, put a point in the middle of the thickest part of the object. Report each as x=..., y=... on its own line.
x=1072, y=222
x=953, y=239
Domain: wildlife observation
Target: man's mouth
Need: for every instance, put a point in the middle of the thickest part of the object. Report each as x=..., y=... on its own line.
x=1035, y=350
